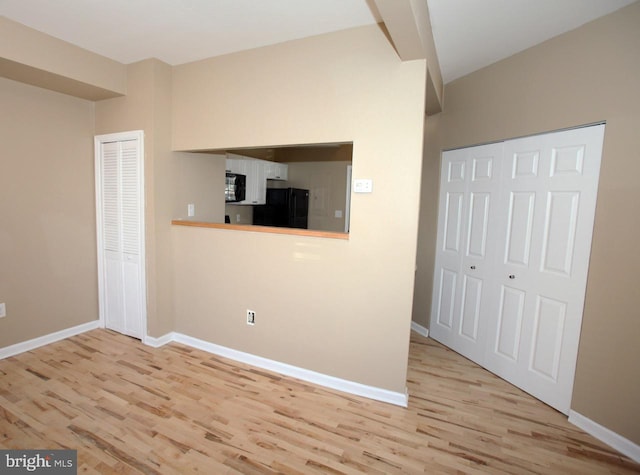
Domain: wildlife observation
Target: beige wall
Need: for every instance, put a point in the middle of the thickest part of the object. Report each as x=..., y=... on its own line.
x=48, y=269
x=199, y=179
x=327, y=185
x=425, y=260
x=239, y=214
x=147, y=106
x=587, y=75
x=338, y=307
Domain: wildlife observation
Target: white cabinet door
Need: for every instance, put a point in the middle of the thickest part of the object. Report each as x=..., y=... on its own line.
x=256, y=183
x=548, y=197
x=120, y=233
x=513, y=244
x=276, y=171
x=235, y=166
x=464, y=261
x=255, y=172
x=282, y=171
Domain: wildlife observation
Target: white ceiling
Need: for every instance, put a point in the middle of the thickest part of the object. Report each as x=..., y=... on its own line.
x=180, y=31
x=469, y=34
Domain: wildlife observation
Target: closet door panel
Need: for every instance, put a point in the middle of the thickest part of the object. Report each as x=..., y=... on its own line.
x=559, y=235
x=464, y=247
x=446, y=298
x=547, y=338
x=548, y=195
x=478, y=225
x=476, y=266
x=517, y=248
x=453, y=222
x=449, y=244
x=114, y=291
x=471, y=308
x=509, y=326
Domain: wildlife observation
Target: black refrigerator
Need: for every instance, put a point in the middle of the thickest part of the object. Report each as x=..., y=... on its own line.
x=285, y=207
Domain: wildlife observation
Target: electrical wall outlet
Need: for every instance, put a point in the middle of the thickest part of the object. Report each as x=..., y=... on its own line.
x=251, y=317
x=191, y=209
x=363, y=185
x=3, y=310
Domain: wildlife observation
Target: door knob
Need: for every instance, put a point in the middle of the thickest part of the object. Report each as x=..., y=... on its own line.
x=511, y=276
x=473, y=267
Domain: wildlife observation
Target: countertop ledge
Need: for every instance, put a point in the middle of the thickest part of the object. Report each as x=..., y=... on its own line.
x=263, y=229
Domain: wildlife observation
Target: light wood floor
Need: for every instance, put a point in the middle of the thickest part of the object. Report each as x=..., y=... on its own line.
x=128, y=408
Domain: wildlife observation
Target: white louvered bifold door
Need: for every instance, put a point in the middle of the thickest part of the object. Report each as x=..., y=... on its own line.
x=121, y=213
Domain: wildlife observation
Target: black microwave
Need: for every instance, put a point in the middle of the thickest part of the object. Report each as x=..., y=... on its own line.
x=235, y=187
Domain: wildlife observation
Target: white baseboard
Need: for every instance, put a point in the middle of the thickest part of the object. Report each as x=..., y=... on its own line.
x=158, y=342
x=416, y=327
x=34, y=343
x=371, y=392
x=621, y=444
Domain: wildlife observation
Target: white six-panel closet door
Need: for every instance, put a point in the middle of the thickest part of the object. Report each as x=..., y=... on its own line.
x=514, y=236
x=547, y=206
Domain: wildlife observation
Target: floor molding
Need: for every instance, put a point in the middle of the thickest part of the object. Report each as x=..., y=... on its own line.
x=419, y=329
x=161, y=341
x=34, y=343
x=351, y=387
x=621, y=444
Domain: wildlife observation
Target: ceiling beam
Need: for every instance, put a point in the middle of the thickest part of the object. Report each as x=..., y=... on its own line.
x=32, y=57
x=409, y=27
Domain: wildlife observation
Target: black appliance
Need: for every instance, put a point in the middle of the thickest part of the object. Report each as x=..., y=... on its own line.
x=235, y=187
x=285, y=207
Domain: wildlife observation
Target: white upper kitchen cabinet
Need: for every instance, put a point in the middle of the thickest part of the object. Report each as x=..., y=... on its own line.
x=255, y=171
x=276, y=171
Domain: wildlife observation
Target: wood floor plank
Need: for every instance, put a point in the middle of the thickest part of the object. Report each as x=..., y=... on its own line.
x=128, y=408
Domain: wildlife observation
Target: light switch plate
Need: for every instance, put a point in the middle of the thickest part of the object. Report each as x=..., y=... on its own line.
x=363, y=185
x=3, y=310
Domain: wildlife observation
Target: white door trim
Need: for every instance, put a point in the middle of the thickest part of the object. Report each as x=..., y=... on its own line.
x=137, y=135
